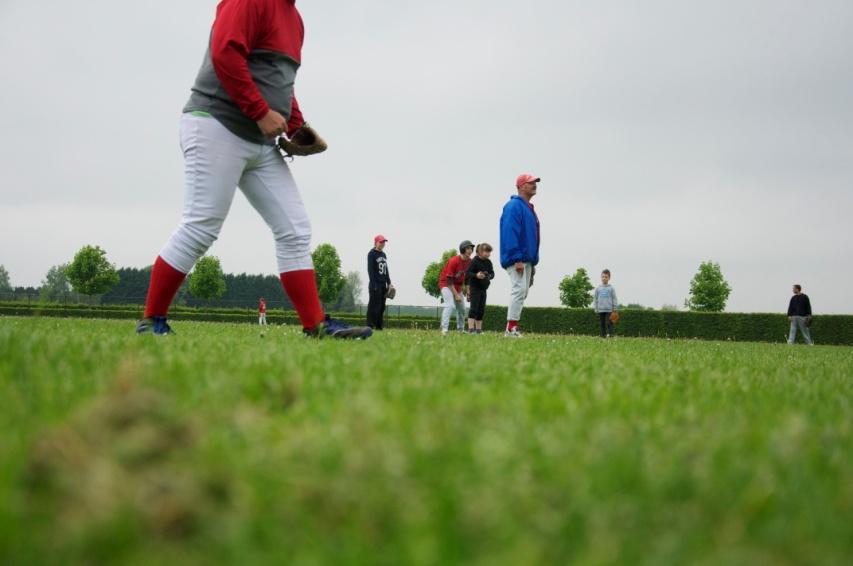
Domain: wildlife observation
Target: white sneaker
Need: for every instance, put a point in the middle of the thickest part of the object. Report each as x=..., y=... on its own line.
x=444, y=332
x=514, y=333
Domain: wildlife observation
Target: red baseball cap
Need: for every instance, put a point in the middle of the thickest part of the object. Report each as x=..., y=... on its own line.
x=380, y=238
x=526, y=178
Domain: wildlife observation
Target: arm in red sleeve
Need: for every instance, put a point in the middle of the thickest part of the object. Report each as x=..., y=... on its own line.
x=238, y=25
x=296, y=119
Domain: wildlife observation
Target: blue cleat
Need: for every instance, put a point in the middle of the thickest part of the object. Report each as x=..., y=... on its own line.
x=336, y=329
x=156, y=325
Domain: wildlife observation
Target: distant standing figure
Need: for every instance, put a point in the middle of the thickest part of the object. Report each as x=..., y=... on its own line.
x=262, y=312
x=520, y=236
x=450, y=282
x=605, y=303
x=379, y=283
x=479, y=276
x=800, y=315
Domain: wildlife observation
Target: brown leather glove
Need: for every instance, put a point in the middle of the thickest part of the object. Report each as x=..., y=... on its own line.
x=304, y=141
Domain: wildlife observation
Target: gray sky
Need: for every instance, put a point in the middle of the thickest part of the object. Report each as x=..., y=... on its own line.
x=666, y=133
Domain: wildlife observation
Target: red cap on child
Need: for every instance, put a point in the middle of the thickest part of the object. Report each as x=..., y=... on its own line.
x=380, y=238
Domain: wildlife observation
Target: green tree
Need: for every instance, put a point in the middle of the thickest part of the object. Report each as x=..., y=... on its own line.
x=90, y=273
x=207, y=280
x=55, y=284
x=5, y=285
x=709, y=290
x=350, y=294
x=575, y=290
x=327, y=269
x=433, y=270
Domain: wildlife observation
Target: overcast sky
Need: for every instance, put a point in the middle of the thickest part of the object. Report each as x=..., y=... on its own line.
x=665, y=132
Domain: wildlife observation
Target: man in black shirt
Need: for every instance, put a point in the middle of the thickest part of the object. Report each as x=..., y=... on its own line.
x=800, y=315
x=379, y=284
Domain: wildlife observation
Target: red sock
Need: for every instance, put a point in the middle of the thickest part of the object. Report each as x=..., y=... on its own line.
x=165, y=281
x=511, y=325
x=301, y=287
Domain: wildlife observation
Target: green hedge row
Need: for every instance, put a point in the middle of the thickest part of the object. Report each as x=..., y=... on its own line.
x=758, y=327
x=752, y=327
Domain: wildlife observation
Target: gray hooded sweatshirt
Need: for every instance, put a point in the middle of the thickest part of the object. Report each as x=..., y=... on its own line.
x=604, y=299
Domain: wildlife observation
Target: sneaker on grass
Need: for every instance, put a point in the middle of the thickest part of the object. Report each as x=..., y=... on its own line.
x=156, y=325
x=336, y=329
x=514, y=333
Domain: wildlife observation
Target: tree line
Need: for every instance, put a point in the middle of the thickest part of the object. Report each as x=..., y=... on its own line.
x=91, y=277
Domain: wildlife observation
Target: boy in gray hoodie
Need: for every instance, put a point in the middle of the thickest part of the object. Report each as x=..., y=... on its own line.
x=604, y=302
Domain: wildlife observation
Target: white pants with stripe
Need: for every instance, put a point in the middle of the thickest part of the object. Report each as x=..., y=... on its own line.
x=216, y=162
x=519, y=286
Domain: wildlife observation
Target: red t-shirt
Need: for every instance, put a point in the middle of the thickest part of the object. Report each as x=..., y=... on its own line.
x=455, y=270
x=262, y=307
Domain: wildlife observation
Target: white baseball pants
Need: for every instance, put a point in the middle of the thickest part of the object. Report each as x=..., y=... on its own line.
x=216, y=162
x=519, y=285
x=450, y=305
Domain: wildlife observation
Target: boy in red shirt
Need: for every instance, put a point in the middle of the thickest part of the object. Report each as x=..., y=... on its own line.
x=262, y=312
x=450, y=283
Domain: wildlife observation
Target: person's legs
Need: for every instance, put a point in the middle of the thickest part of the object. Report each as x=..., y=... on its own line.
x=611, y=328
x=460, y=314
x=272, y=191
x=449, y=306
x=372, y=307
x=380, y=319
x=473, y=308
x=792, y=333
x=807, y=335
x=214, y=160
x=602, y=329
x=519, y=283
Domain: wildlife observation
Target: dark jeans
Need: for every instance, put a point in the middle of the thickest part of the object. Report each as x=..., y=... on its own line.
x=375, y=308
x=606, y=326
x=478, y=303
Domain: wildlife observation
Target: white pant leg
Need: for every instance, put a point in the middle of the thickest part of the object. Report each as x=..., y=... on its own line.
x=214, y=160
x=519, y=285
x=449, y=307
x=460, y=314
x=270, y=188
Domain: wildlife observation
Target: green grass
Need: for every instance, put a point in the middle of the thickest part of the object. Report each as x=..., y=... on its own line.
x=221, y=446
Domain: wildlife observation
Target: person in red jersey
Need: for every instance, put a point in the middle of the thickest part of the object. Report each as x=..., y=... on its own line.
x=450, y=283
x=262, y=312
x=241, y=102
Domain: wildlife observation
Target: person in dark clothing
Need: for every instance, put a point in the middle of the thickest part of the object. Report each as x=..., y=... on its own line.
x=379, y=283
x=478, y=276
x=800, y=315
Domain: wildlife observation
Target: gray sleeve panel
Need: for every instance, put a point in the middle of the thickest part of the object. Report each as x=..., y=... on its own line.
x=274, y=74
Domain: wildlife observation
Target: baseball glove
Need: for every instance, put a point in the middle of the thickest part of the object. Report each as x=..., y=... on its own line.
x=304, y=141
x=614, y=317
x=391, y=293
x=808, y=321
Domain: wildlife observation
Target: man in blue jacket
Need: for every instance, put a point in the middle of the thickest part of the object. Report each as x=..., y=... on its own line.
x=520, y=237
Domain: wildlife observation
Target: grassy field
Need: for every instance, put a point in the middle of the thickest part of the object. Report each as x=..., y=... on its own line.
x=219, y=445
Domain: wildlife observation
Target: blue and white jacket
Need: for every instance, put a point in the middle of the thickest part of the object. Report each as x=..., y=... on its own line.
x=519, y=233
